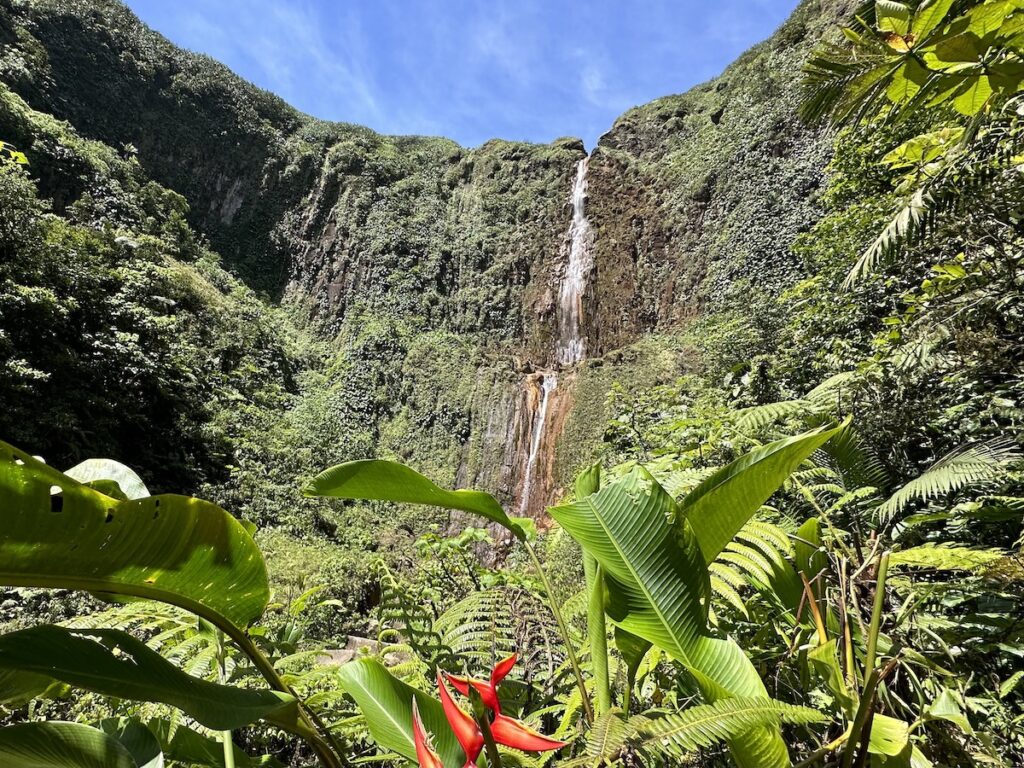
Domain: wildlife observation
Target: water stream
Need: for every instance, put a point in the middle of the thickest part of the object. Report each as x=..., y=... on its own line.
x=570, y=345
x=548, y=384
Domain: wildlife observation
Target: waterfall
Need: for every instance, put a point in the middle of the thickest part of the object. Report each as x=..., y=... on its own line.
x=570, y=346
x=548, y=384
x=547, y=417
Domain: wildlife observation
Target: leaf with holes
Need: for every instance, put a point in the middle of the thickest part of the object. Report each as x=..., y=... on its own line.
x=59, y=533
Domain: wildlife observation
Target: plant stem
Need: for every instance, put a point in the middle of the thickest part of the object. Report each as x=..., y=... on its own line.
x=876, y=614
x=812, y=603
x=326, y=748
x=598, y=635
x=229, y=749
x=563, y=630
x=818, y=754
x=222, y=674
x=860, y=730
x=493, y=756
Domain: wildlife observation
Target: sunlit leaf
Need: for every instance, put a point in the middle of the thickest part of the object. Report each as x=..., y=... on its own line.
x=59, y=533
x=379, y=480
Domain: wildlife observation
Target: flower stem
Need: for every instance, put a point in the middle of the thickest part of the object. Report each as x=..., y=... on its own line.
x=563, y=629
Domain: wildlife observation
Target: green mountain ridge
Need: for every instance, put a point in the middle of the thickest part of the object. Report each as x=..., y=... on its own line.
x=409, y=286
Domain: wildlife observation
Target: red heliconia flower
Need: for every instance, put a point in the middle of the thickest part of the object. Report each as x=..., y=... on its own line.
x=506, y=731
x=488, y=690
x=426, y=756
x=465, y=727
x=518, y=735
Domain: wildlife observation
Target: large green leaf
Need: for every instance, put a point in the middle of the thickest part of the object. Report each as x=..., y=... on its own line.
x=892, y=16
x=114, y=663
x=723, y=503
x=657, y=587
x=60, y=533
x=386, y=703
x=141, y=744
x=61, y=745
x=380, y=480
x=928, y=16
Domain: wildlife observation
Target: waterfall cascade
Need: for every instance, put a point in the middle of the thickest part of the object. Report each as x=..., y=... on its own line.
x=569, y=345
x=548, y=384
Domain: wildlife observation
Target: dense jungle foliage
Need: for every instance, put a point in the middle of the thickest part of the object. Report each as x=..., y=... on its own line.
x=808, y=550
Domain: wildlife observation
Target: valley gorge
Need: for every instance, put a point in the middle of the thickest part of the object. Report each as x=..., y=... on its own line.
x=697, y=444
x=476, y=305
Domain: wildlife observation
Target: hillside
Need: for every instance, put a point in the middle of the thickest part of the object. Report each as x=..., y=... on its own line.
x=734, y=401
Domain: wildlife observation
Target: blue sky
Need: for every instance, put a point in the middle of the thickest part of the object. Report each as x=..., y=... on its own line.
x=469, y=69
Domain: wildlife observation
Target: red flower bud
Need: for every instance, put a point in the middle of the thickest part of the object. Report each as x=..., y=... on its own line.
x=505, y=730
x=488, y=690
x=425, y=754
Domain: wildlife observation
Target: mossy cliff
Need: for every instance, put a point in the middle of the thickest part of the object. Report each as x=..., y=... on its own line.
x=420, y=276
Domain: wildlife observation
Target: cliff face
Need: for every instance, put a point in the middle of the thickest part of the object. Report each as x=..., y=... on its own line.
x=688, y=199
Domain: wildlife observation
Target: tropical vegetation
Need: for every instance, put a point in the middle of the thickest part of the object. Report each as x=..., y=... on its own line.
x=807, y=551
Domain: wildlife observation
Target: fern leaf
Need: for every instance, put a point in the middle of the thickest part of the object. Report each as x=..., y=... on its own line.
x=965, y=466
x=945, y=557
x=709, y=724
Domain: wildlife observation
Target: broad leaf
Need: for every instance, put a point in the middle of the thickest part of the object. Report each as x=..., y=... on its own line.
x=721, y=505
x=63, y=745
x=633, y=650
x=59, y=533
x=810, y=559
x=141, y=744
x=892, y=16
x=18, y=687
x=973, y=96
x=889, y=736
x=657, y=586
x=380, y=480
x=928, y=16
x=114, y=663
x=386, y=703
x=824, y=659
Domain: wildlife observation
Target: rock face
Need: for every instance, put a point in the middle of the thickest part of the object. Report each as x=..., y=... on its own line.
x=686, y=198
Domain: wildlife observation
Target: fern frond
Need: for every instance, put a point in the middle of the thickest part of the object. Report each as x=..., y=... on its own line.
x=965, y=466
x=758, y=417
x=905, y=225
x=945, y=557
x=680, y=481
x=853, y=461
x=709, y=724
